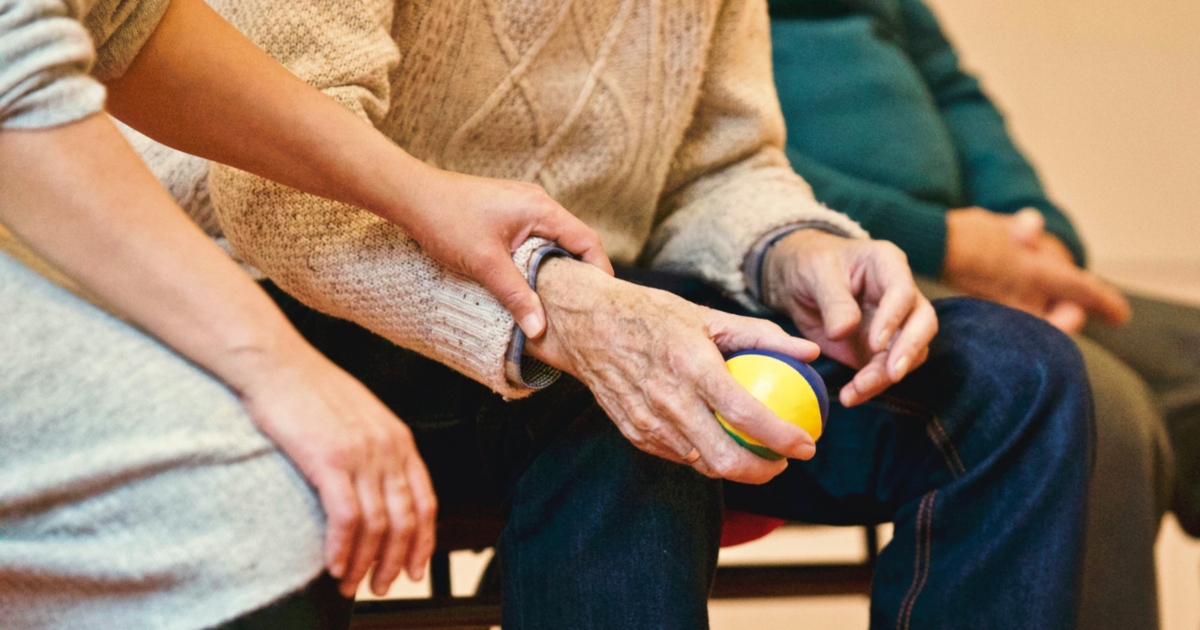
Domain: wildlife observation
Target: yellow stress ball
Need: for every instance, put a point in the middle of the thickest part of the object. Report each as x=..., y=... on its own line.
x=791, y=389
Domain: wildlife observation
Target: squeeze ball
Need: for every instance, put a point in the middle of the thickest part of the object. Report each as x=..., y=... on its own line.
x=791, y=389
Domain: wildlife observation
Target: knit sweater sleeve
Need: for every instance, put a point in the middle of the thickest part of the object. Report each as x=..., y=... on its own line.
x=45, y=56
x=336, y=258
x=730, y=182
x=998, y=177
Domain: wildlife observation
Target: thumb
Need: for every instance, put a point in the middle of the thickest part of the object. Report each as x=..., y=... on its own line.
x=1027, y=227
x=512, y=290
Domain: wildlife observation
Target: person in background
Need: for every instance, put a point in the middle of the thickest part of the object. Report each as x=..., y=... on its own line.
x=885, y=126
x=658, y=124
x=174, y=476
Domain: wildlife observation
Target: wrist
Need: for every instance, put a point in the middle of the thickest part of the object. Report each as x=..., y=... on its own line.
x=263, y=357
x=571, y=292
x=398, y=186
x=778, y=263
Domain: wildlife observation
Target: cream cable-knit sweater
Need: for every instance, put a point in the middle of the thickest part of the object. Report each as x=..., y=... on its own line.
x=655, y=122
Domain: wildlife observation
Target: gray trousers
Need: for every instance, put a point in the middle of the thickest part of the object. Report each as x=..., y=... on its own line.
x=1145, y=379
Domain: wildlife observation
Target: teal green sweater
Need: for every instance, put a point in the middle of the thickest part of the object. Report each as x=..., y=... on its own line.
x=887, y=128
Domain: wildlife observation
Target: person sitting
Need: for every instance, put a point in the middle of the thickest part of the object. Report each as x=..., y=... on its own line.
x=159, y=478
x=658, y=125
x=886, y=126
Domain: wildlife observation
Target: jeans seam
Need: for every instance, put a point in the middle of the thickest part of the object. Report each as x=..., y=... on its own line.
x=924, y=535
x=933, y=428
x=942, y=441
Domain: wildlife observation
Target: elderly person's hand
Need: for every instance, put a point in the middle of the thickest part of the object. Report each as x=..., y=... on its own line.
x=1012, y=260
x=654, y=362
x=857, y=300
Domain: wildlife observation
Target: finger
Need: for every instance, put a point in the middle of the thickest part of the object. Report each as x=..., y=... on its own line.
x=1027, y=228
x=869, y=382
x=1067, y=283
x=1068, y=317
x=576, y=237
x=897, y=304
x=370, y=535
x=918, y=331
x=394, y=550
x=502, y=279
x=342, y=516
x=839, y=310
x=672, y=427
x=732, y=333
x=425, y=506
x=744, y=412
x=922, y=356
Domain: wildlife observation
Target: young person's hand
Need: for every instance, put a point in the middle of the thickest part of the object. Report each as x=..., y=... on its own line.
x=653, y=361
x=1012, y=260
x=473, y=224
x=378, y=499
x=857, y=300
x=108, y=225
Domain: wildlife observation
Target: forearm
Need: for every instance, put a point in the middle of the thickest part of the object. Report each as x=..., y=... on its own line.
x=181, y=90
x=997, y=175
x=107, y=224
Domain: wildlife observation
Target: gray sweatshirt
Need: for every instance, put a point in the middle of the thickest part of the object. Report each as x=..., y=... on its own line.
x=134, y=490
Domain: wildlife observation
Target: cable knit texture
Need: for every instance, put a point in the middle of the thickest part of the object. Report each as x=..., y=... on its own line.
x=655, y=122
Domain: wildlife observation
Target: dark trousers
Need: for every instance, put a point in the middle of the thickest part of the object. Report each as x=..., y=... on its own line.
x=980, y=457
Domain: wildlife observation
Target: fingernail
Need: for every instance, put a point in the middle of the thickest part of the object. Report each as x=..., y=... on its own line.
x=847, y=396
x=532, y=325
x=900, y=368
x=881, y=340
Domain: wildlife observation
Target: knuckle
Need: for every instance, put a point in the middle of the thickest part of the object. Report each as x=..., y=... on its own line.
x=376, y=522
x=346, y=517
x=427, y=511
x=404, y=528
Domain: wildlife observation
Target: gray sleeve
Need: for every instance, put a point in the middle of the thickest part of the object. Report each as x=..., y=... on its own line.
x=45, y=57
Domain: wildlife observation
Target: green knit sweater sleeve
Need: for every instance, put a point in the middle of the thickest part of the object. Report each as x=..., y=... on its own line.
x=915, y=226
x=998, y=177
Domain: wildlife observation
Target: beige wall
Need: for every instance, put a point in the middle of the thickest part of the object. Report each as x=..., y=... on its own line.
x=1104, y=95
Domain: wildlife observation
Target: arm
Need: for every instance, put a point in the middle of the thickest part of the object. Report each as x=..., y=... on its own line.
x=917, y=227
x=732, y=186
x=730, y=183
x=180, y=91
x=998, y=177
x=994, y=250
x=108, y=225
x=353, y=263
x=73, y=190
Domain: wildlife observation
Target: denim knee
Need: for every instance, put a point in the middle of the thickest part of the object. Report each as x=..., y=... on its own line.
x=1011, y=367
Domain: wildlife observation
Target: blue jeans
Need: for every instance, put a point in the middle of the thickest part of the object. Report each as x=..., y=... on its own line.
x=980, y=457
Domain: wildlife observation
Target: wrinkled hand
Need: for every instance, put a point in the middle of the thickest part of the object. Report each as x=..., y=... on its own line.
x=857, y=300
x=474, y=224
x=654, y=362
x=378, y=499
x=1012, y=260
